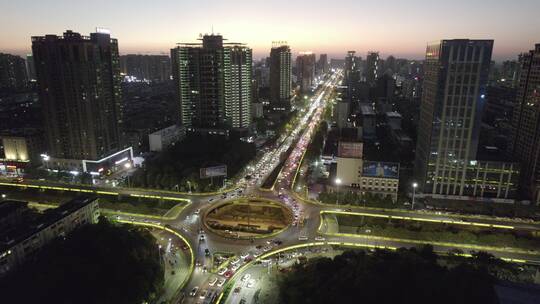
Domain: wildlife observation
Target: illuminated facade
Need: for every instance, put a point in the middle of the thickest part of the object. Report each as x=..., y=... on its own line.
x=213, y=83
x=456, y=75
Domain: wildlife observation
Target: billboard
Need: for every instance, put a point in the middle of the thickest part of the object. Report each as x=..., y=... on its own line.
x=380, y=169
x=350, y=149
x=213, y=171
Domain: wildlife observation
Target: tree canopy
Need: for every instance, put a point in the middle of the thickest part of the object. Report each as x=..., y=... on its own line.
x=404, y=276
x=100, y=263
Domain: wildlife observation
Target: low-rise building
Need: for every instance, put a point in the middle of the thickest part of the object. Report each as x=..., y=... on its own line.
x=28, y=234
x=368, y=120
x=257, y=110
x=163, y=138
x=22, y=147
x=381, y=178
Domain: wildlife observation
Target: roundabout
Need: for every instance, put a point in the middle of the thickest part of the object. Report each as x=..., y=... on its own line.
x=247, y=218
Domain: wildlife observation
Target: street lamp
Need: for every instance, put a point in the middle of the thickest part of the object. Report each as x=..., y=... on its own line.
x=159, y=251
x=414, y=185
x=338, y=182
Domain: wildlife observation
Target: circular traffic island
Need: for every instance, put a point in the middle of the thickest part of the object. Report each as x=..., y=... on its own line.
x=247, y=218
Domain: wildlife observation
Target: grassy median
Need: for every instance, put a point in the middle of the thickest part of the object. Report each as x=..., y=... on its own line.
x=434, y=231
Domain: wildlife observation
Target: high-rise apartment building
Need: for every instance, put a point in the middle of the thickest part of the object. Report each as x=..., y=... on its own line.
x=372, y=69
x=12, y=72
x=213, y=83
x=79, y=89
x=305, y=70
x=456, y=75
x=280, y=75
x=526, y=124
x=322, y=64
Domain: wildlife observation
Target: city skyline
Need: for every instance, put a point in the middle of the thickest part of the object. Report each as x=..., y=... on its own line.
x=398, y=29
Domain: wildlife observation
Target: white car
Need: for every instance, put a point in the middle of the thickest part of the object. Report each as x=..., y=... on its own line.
x=222, y=271
x=221, y=282
x=197, y=211
x=319, y=238
x=213, y=281
x=303, y=238
x=203, y=294
x=235, y=261
x=244, y=255
x=235, y=267
x=193, y=292
x=246, y=277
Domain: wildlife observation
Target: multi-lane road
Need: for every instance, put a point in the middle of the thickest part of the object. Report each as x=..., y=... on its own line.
x=306, y=228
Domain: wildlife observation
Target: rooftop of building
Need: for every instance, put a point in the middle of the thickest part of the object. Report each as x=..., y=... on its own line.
x=32, y=224
x=169, y=129
x=21, y=132
x=492, y=154
x=393, y=115
x=70, y=35
x=366, y=109
x=8, y=207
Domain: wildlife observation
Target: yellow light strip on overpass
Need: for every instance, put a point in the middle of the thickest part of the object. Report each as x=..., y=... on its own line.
x=408, y=218
x=168, y=198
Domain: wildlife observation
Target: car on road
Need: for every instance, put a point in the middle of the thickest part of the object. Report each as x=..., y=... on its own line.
x=203, y=294
x=197, y=211
x=204, y=269
x=207, y=252
x=212, y=281
x=193, y=292
x=237, y=289
x=246, y=277
x=201, y=238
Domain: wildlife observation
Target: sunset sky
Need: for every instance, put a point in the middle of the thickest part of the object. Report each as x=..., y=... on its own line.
x=400, y=28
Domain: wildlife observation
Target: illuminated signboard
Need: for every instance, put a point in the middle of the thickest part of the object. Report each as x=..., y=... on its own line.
x=380, y=169
x=213, y=171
